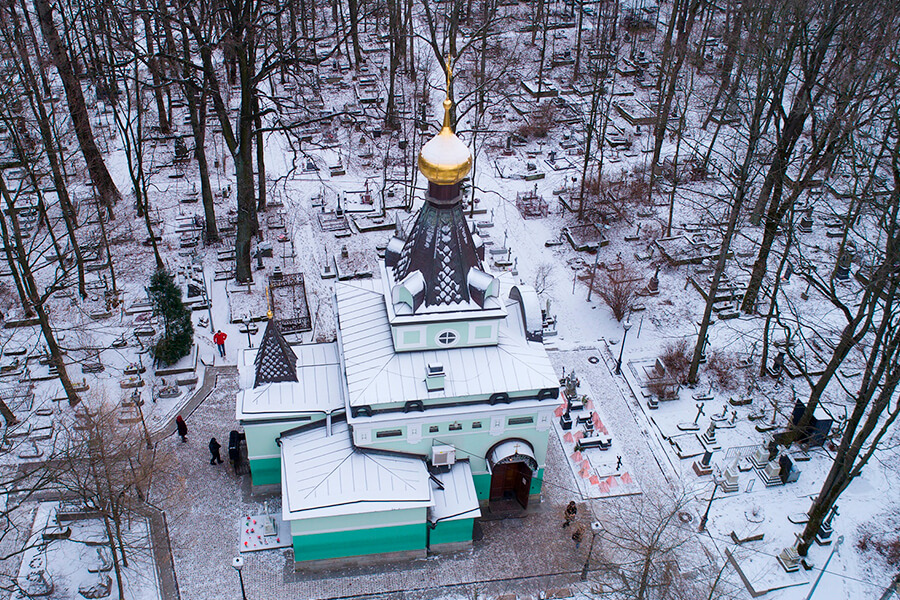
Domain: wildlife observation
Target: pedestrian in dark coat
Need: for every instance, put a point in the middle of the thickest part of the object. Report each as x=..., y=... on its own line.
x=214, y=451
x=571, y=511
x=182, y=428
x=578, y=535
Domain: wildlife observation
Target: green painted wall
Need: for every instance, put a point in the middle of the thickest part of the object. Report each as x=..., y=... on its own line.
x=384, y=518
x=265, y=471
x=261, y=436
x=424, y=337
x=359, y=542
x=446, y=532
x=472, y=443
x=482, y=485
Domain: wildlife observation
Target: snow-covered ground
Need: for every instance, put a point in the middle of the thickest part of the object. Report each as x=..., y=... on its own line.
x=206, y=508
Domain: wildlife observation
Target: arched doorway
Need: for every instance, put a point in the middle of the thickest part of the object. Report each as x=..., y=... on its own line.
x=512, y=465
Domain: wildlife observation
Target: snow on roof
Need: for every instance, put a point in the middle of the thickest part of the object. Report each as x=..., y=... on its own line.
x=324, y=476
x=378, y=375
x=457, y=499
x=320, y=386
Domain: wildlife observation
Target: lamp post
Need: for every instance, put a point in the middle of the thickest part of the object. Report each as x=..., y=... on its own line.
x=247, y=327
x=627, y=326
x=837, y=544
x=709, y=506
x=596, y=527
x=238, y=564
x=138, y=401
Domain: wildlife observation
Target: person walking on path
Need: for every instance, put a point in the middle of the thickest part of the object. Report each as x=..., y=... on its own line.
x=578, y=535
x=214, y=451
x=219, y=339
x=182, y=428
x=571, y=511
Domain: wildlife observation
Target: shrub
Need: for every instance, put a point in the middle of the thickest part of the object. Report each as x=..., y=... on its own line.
x=676, y=357
x=178, y=335
x=721, y=367
x=885, y=544
x=539, y=123
x=618, y=289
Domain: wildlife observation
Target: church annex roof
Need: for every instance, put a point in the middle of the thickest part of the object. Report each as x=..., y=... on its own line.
x=376, y=374
x=275, y=361
x=325, y=475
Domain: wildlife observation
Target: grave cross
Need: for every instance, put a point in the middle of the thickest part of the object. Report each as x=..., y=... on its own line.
x=699, y=412
x=831, y=515
x=724, y=411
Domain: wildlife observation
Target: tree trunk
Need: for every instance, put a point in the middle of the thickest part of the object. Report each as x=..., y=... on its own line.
x=34, y=296
x=11, y=261
x=576, y=68
x=247, y=224
x=153, y=66
x=103, y=183
x=260, y=160
x=353, y=10
x=198, y=127
x=70, y=218
x=685, y=25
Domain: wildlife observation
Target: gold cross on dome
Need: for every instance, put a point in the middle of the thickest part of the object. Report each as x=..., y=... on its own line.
x=449, y=71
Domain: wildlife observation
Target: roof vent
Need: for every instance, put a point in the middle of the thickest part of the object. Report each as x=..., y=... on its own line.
x=434, y=377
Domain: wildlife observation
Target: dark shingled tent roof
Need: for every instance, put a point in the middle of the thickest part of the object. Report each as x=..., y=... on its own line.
x=441, y=247
x=275, y=361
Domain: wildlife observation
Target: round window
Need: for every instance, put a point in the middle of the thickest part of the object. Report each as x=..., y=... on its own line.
x=448, y=337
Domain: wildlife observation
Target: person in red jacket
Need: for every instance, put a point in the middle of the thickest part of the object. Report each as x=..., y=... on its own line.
x=219, y=339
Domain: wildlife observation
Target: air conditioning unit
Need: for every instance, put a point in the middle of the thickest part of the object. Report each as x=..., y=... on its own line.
x=443, y=456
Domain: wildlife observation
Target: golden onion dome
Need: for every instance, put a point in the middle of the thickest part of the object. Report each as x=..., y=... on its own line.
x=445, y=160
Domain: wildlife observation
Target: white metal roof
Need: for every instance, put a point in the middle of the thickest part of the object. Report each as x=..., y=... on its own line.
x=320, y=386
x=324, y=476
x=458, y=499
x=377, y=375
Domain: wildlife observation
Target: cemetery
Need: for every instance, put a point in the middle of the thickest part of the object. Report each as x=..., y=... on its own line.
x=422, y=302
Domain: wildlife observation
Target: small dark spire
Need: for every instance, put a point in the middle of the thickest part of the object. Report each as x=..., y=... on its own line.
x=275, y=361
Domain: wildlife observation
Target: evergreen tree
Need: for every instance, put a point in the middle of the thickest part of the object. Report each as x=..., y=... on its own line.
x=178, y=336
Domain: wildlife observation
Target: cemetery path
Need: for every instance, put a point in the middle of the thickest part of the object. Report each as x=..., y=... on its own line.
x=210, y=380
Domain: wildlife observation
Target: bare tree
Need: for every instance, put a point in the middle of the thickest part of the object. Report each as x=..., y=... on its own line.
x=618, y=289
x=103, y=182
x=109, y=471
x=643, y=549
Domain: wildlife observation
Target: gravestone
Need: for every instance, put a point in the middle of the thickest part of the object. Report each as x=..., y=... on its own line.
x=789, y=559
x=709, y=437
x=777, y=365
x=823, y=538
x=703, y=465
x=653, y=285
x=730, y=481
x=806, y=222
x=845, y=261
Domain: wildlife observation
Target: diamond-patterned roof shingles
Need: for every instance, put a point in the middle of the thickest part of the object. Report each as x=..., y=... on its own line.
x=275, y=362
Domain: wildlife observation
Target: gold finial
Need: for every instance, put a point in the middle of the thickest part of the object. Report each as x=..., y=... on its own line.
x=269, y=313
x=449, y=72
x=445, y=160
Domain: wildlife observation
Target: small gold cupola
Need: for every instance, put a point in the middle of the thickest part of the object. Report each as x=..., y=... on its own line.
x=445, y=160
